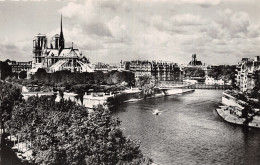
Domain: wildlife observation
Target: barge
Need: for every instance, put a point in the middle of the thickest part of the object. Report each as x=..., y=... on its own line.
x=238, y=112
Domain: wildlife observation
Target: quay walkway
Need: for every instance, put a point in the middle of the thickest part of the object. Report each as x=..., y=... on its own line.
x=184, y=85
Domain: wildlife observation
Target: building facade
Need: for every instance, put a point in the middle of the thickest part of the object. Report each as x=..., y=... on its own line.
x=55, y=56
x=161, y=71
x=17, y=67
x=100, y=66
x=212, y=81
x=247, y=73
x=140, y=68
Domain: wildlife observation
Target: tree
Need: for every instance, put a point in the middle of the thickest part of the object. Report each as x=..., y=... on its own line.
x=64, y=133
x=147, y=84
x=23, y=74
x=143, y=80
x=40, y=75
x=194, y=72
x=5, y=70
x=98, y=77
x=9, y=96
x=225, y=72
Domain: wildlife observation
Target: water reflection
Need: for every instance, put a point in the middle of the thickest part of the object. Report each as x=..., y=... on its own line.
x=189, y=131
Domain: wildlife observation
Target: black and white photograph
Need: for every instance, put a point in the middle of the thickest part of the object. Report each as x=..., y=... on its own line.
x=129, y=82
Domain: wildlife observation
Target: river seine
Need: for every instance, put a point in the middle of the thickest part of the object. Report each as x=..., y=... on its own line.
x=188, y=131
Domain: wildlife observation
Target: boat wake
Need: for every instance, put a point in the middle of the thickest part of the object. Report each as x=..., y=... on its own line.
x=156, y=112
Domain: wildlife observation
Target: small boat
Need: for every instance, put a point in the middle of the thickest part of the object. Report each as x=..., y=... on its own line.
x=156, y=112
x=132, y=100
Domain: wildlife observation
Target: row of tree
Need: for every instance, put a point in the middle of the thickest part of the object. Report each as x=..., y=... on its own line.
x=62, y=78
x=225, y=72
x=194, y=72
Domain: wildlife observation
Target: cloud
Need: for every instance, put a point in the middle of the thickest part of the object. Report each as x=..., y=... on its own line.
x=187, y=19
x=235, y=24
x=112, y=5
x=170, y=30
x=14, y=50
x=203, y=3
x=144, y=34
x=179, y=23
x=119, y=30
x=98, y=25
x=98, y=28
x=228, y=24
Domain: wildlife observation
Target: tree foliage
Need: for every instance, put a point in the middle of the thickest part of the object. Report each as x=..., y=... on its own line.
x=147, y=84
x=23, y=74
x=9, y=96
x=194, y=72
x=64, y=133
x=225, y=72
x=5, y=70
x=61, y=78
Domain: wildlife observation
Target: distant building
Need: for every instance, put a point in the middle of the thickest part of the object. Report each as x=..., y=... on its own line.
x=140, y=68
x=212, y=81
x=17, y=67
x=104, y=67
x=194, y=61
x=162, y=71
x=57, y=57
x=166, y=71
x=246, y=73
x=100, y=66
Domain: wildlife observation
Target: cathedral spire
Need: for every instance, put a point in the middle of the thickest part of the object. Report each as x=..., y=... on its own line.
x=62, y=41
x=61, y=23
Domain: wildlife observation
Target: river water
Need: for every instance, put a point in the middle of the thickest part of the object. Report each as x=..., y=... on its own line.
x=188, y=131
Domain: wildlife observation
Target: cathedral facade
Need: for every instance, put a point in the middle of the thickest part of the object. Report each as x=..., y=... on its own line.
x=56, y=57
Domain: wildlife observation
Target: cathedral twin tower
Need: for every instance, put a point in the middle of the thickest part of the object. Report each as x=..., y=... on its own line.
x=40, y=43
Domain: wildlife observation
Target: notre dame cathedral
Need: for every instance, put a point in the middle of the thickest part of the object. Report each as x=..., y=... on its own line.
x=55, y=56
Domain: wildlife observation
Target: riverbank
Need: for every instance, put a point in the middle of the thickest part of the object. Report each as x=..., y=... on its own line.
x=171, y=92
x=197, y=85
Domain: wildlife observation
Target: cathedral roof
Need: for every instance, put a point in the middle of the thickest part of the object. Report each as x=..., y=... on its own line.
x=70, y=52
x=51, y=52
x=67, y=52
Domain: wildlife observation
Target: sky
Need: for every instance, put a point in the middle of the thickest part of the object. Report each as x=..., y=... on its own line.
x=218, y=31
